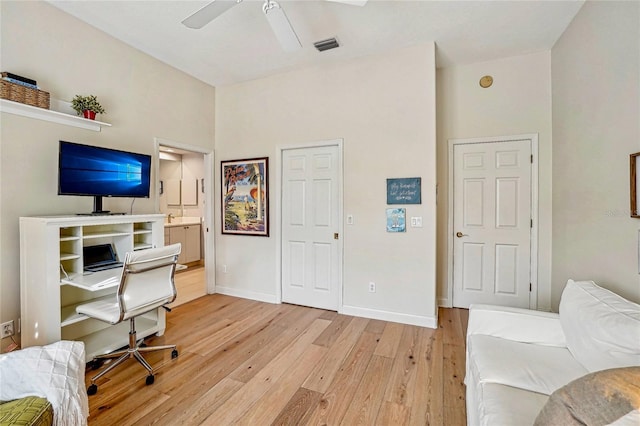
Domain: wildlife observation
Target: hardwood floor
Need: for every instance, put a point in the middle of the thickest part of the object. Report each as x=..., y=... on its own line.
x=251, y=363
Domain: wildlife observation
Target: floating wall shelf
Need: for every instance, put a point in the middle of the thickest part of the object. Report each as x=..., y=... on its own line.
x=48, y=115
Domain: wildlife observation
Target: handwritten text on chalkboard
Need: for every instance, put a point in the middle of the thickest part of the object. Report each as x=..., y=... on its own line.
x=404, y=191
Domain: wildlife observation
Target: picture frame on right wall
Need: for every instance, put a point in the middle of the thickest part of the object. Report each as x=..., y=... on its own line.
x=396, y=220
x=635, y=184
x=245, y=197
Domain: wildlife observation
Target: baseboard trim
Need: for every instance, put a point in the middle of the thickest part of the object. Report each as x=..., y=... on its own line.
x=444, y=303
x=423, y=321
x=247, y=294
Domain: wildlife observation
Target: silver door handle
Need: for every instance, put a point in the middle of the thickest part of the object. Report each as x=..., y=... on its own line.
x=460, y=234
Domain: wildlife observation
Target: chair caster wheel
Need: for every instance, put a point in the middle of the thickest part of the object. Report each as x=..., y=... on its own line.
x=96, y=364
x=174, y=353
x=91, y=390
x=150, y=379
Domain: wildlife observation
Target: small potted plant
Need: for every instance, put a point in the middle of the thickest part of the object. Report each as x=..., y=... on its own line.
x=88, y=106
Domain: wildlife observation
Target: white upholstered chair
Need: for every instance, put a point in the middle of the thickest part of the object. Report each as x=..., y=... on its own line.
x=146, y=284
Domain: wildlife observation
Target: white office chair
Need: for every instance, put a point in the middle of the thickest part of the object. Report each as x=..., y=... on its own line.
x=147, y=283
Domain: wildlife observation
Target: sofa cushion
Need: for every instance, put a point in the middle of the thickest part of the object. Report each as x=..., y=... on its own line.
x=532, y=367
x=521, y=325
x=55, y=372
x=602, y=328
x=629, y=419
x=505, y=406
x=27, y=411
x=598, y=398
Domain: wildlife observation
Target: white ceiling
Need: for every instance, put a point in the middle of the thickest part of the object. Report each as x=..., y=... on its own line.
x=239, y=45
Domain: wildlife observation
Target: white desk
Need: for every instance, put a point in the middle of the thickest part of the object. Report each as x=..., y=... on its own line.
x=94, y=281
x=53, y=281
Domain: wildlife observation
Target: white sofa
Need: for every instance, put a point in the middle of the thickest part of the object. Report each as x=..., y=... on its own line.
x=517, y=358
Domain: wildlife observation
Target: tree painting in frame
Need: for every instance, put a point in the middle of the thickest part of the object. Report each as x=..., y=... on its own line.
x=245, y=197
x=396, y=220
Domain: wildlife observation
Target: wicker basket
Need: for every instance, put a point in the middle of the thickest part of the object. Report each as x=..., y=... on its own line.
x=23, y=94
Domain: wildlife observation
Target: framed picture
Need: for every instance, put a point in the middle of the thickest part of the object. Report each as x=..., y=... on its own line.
x=404, y=191
x=245, y=197
x=396, y=220
x=635, y=184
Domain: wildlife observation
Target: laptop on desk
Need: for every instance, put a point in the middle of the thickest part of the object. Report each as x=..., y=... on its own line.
x=99, y=258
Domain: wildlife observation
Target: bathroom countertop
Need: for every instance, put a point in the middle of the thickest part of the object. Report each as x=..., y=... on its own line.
x=178, y=221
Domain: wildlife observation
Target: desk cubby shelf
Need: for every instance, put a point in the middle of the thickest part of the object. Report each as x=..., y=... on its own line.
x=68, y=256
x=104, y=235
x=52, y=281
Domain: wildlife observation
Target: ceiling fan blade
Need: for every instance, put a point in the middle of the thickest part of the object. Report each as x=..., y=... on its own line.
x=351, y=2
x=281, y=26
x=208, y=13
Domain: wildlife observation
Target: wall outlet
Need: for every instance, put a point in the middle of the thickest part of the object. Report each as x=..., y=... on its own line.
x=6, y=329
x=224, y=269
x=372, y=287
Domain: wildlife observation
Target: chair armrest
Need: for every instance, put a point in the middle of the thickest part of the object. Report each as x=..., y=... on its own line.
x=521, y=325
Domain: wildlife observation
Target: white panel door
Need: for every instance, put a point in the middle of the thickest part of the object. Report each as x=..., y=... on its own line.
x=310, y=226
x=492, y=223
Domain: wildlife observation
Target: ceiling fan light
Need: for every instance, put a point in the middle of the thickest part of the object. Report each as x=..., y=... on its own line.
x=281, y=26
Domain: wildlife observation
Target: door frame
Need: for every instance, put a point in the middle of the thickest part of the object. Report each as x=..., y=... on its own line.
x=278, y=213
x=209, y=234
x=533, y=260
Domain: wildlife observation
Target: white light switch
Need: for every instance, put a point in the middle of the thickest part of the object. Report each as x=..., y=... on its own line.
x=416, y=222
x=349, y=219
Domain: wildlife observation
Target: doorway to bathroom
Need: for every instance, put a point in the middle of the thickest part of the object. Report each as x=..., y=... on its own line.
x=184, y=178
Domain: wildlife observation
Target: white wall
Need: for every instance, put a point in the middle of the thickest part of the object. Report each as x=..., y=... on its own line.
x=143, y=98
x=596, y=125
x=384, y=109
x=518, y=102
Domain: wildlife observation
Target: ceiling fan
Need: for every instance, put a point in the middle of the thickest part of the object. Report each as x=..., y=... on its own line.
x=273, y=11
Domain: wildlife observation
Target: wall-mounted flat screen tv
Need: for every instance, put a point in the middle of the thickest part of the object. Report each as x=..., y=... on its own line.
x=102, y=172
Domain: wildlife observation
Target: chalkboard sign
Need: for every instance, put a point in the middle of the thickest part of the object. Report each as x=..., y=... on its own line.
x=404, y=191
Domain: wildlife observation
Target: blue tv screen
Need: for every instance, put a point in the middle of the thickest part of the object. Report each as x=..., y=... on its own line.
x=96, y=171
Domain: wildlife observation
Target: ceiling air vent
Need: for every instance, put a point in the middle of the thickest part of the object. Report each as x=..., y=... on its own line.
x=330, y=43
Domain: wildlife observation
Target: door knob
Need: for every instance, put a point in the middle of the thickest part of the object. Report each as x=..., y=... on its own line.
x=460, y=234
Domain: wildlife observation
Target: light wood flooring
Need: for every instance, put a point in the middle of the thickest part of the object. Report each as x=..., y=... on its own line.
x=252, y=363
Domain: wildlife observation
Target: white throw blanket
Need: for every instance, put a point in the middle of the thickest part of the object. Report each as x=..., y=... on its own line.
x=54, y=372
